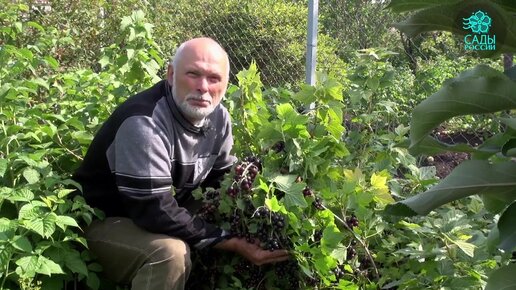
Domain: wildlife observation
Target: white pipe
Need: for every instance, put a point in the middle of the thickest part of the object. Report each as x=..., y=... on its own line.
x=311, y=41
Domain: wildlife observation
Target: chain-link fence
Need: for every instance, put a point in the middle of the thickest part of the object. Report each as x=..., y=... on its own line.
x=270, y=33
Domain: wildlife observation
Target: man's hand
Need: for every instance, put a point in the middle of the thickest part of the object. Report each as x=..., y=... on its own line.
x=252, y=252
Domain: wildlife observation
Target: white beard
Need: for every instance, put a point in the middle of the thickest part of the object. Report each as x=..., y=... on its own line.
x=194, y=113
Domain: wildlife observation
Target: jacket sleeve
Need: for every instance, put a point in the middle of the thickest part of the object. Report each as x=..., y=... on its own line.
x=141, y=164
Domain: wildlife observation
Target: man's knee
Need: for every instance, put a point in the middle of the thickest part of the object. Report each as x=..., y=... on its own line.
x=174, y=251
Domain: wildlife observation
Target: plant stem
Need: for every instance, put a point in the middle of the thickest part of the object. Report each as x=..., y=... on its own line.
x=60, y=142
x=368, y=254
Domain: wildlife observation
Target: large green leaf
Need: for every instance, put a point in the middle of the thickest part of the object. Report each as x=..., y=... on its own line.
x=479, y=90
x=93, y=281
x=506, y=228
x=431, y=146
x=44, y=224
x=48, y=267
x=331, y=238
x=469, y=178
x=74, y=262
x=31, y=175
x=33, y=210
x=62, y=221
x=22, y=243
x=293, y=191
x=27, y=266
x=449, y=16
x=502, y=278
x=21, y=194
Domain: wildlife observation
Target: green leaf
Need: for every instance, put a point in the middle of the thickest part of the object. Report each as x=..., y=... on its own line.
x=22, y=244
x=284, y=110
x=74, y=262
x=294, y=197
x=6, y=253
x=95, y=267
x=62, y=221
x=31, y=175
x=323, y=263
x=511, y=122
x=48, y=267
x=334, y=126
x=3, y=166
x=18, y=26
x=470, y=177
x=62, y=193
x=148, y=28
x=29, y=211
x=27, y=266
x=52, y=62
x=138, y=15
x=41, y=82
x=333, y=89
x=506, y=228
x=502, y=278
x=126, y=21
x=274, y=205
x=331, y=238
x=104, y=61
x=467, y=248
x=21, y=194
x=430, y=146
x=381, y=190
x=339, y=253
x=293, y=191
x=83, y=137
x=76, y=123
x=509, y=148
x=8, y=227
x=476, y=91
x=306, y=95
x=130, y=53
x=93, y=281
x=283, y=182
x=4, y=89
x=290, y=116
x=26, y=53
x=36, y=25
x=45, y=225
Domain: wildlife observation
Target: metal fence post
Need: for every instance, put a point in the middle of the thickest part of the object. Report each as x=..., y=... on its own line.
x=311, y=41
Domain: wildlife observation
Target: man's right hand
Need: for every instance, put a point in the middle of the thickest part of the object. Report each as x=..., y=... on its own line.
x=252, y=252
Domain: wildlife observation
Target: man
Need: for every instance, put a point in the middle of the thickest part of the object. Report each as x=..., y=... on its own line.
x=173, y=135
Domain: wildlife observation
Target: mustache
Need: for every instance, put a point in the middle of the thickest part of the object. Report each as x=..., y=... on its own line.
x=198, y=97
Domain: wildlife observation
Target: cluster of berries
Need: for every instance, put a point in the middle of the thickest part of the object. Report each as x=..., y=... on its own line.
x=352, y=221
x=210, y=206
x=244, y=175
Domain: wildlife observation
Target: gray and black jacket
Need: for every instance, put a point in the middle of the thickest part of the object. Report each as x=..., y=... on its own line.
x=145, y=150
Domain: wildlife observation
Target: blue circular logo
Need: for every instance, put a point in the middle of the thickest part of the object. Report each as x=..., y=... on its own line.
x=478, y=22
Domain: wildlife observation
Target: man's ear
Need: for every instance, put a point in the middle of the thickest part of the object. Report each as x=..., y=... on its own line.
x=170, y=74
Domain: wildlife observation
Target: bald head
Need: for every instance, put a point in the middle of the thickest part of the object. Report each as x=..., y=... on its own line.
x=201, y=44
